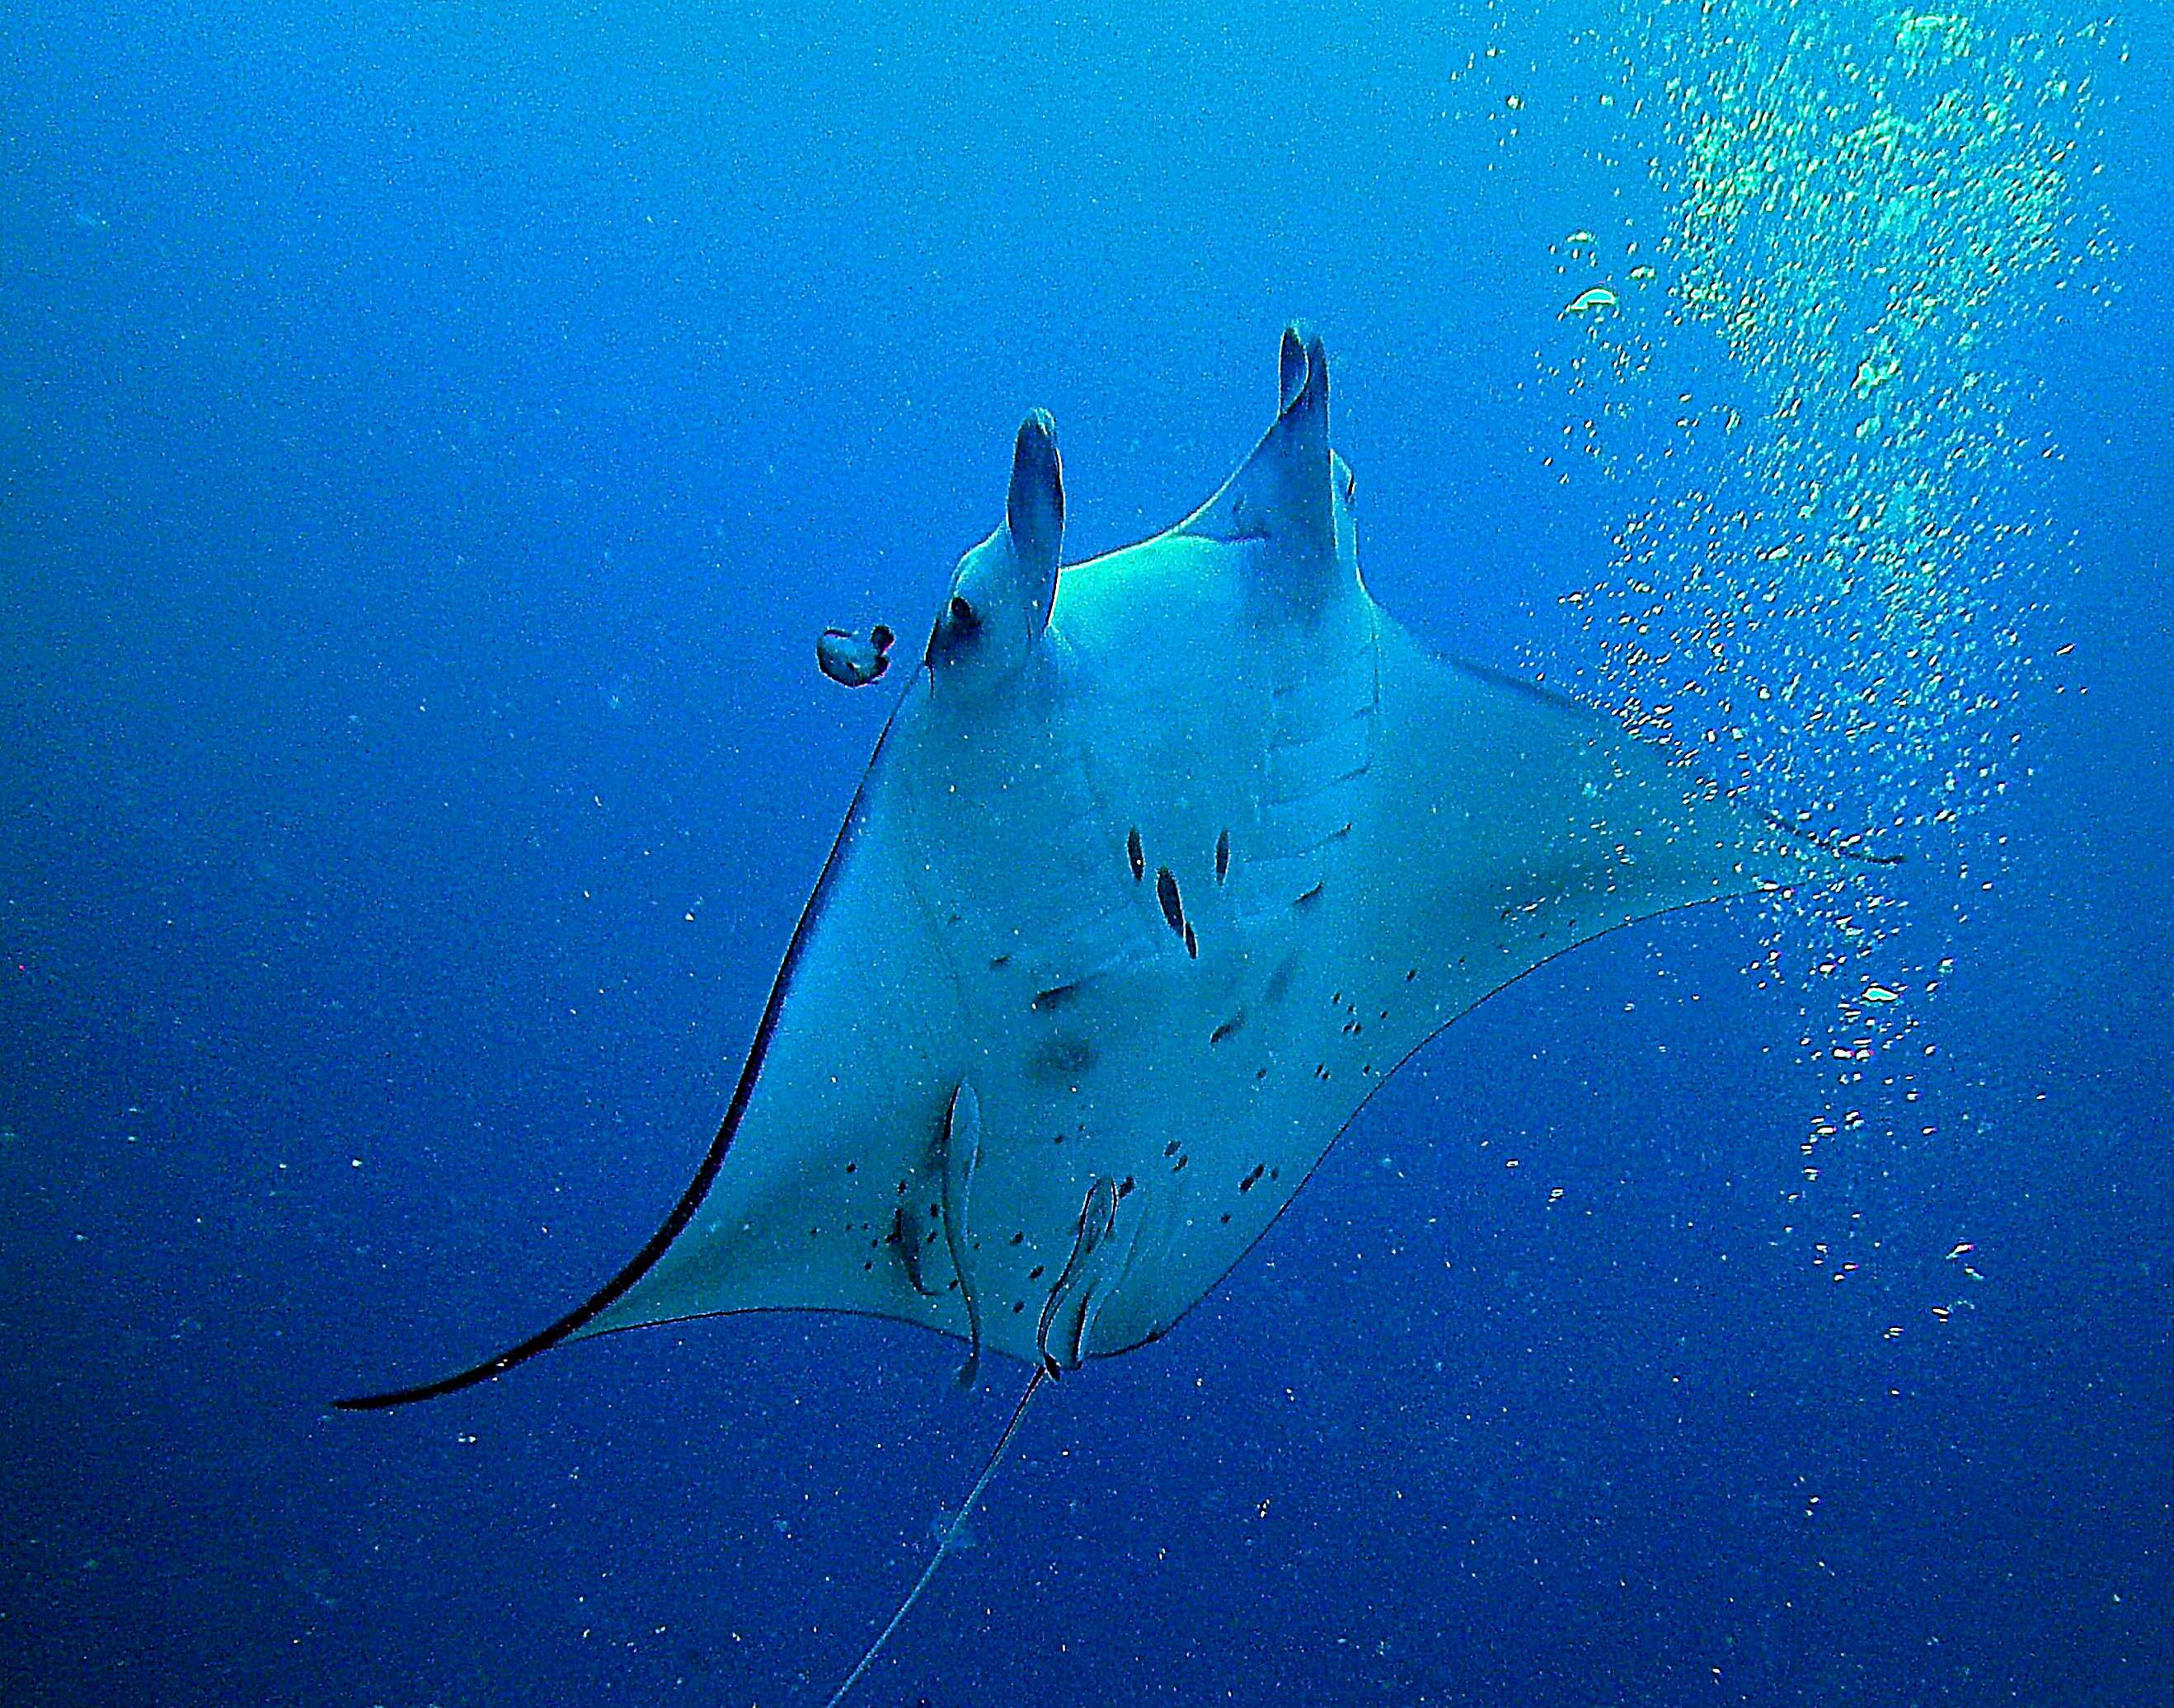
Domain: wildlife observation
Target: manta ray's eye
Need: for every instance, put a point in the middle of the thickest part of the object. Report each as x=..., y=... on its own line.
x=964, y=616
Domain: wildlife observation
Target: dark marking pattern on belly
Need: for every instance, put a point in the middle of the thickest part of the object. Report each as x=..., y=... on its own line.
x=1056, y=996
x=1062, y=1060
x=1173, y=908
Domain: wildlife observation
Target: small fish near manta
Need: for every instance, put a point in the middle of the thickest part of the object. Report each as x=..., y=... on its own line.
x=850, y=662
x=1164, y=861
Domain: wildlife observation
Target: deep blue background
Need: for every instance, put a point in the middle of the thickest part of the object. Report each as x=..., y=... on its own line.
x=430, y=443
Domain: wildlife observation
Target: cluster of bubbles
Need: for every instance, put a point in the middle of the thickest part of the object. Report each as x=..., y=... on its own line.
x=1830, y=556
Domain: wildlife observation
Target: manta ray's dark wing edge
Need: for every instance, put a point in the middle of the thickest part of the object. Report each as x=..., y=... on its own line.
x=705, y=1175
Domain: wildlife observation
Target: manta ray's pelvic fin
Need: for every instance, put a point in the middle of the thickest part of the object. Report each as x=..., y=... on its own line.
x=1096, y=1266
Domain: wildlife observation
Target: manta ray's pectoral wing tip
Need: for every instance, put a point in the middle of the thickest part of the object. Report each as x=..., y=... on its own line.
x=542, y=1341
x=571, y=1324
x=1852, y=846
x=391, y=1397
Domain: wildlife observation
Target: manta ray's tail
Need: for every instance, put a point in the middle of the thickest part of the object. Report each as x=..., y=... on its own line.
x=944, y=1546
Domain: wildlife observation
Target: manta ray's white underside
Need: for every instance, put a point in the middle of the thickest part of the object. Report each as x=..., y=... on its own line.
x=1164, y=864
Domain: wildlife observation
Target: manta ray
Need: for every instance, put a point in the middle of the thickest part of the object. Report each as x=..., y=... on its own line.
x=1164, y=861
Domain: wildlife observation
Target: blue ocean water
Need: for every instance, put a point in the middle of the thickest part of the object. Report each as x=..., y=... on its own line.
x=431, y=441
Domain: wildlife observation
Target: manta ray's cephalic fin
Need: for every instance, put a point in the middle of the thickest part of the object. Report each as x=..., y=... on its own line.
x=1003, y=589
x=1283, y=497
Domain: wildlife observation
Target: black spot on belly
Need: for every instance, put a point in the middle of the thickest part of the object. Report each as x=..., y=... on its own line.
x=1173, y=909
x=1056, y=996
x=1060, y=1059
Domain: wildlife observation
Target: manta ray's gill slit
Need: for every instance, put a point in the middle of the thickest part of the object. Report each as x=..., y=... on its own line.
x=1228, y=1029
x=1136, y=855
x=1222, y=857
x=1191, y=942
